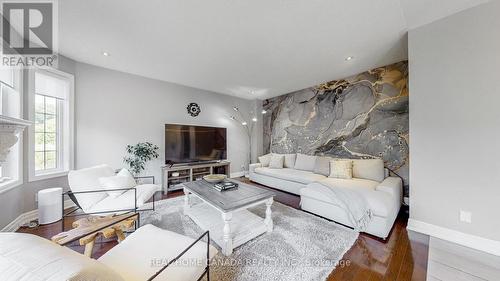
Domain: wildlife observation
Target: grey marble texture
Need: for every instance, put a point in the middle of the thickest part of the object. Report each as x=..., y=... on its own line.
x=363, y=116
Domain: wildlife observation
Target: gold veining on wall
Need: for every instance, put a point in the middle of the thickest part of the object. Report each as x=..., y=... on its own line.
x=363, y=116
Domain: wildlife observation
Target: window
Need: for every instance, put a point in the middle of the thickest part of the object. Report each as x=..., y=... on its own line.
x=47, y=132
x=51, y=138
x=10, y=107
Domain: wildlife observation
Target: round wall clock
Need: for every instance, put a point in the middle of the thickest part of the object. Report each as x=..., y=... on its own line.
x=193, y=109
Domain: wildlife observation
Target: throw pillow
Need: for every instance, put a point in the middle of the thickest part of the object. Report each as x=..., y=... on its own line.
x=123, y=179
x=341, y=169
x=277, y=161
x=289, y=160
x=322, y=165
x=370, y=169
x=305, y=162
x=265, y=159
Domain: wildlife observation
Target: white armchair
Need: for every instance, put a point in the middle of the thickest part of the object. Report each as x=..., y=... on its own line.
x=87, y=193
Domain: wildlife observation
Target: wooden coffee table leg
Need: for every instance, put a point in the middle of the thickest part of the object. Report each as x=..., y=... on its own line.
x=89, y=247
x=119, y=234
x=187, y=204
x=227, y=247
x=268, y=221
x=89, y=242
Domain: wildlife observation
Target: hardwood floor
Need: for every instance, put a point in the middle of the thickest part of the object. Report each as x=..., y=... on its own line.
x=402, y=257
x=399, y=258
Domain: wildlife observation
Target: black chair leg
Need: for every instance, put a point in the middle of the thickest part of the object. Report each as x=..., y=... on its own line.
x=138, y=221
x=62, y=213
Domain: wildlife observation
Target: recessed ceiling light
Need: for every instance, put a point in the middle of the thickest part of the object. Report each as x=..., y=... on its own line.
x=349, y=58
x=254, y=119
x=106, y=54
x=244, y=123
x=264, y=111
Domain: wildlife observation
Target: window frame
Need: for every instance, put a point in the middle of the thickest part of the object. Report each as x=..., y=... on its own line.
x=16, y=153
x=66, y=119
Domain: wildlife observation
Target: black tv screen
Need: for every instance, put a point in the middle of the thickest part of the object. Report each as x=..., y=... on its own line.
x=188, y=144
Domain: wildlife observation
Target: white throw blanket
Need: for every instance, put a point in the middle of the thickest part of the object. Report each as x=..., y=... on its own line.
x=352, y=201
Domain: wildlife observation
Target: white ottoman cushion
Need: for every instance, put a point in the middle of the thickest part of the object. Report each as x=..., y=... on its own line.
x=150, y=248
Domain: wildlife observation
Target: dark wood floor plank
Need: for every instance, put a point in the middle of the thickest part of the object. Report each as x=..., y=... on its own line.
x=406, y=271
x=375, y=277
x=420, y=253
x=397, y=258
x=370, y=258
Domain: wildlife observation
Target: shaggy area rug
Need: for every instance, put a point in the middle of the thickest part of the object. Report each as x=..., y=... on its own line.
x=301, y=246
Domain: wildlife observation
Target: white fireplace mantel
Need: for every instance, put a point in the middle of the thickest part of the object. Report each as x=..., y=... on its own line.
x=10, y=128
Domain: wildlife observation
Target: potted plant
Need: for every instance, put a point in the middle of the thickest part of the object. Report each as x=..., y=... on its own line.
x=139, y=154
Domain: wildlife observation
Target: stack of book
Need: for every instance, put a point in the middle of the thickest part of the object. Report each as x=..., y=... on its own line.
x=225, y=185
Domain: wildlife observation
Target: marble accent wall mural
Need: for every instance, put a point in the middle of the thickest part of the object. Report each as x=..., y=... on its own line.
x=363, y=116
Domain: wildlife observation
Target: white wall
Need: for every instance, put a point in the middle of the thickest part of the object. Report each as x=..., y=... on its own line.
x=455, y=121
x=114, y=109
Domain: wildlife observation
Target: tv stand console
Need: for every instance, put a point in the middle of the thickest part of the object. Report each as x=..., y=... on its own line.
x=172, y=177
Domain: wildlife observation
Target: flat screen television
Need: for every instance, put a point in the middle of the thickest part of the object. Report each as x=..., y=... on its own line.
x=189, y=144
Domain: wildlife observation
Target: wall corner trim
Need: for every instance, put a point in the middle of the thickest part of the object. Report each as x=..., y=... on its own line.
x=454, y=236
x=25, y=218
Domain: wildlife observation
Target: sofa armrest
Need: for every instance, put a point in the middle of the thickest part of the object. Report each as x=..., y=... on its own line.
x=392, y=185
x=254, y=166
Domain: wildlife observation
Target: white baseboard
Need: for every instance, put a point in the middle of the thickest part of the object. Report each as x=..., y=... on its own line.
x=457, y=237
x=237, y=174
x=25, y=218
x=20, y=221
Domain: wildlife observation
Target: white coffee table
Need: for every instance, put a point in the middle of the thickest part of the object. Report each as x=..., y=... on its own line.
x=225, y=213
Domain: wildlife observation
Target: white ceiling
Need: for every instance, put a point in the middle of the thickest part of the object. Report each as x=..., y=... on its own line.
x=246, y=48
x=422, y=12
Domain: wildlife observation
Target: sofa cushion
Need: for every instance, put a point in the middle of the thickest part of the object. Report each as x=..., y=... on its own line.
x=277, y=161
x=380, y=202
x=353, y=183
x=370, y=169
x=299, y=176
x=126, y=200
x=141, y=249
x=88, y=179
x=341, y=169
x=265, y=159
x=123, y=179
x=30, y=257
x=305, y=162
x=322, y=165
